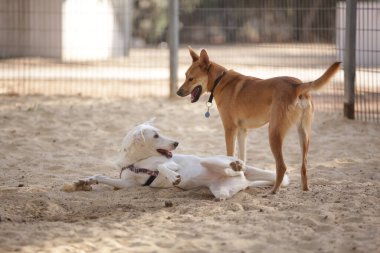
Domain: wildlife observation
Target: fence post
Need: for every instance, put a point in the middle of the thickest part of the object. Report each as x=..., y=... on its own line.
x=128, y=25
x=349, y=60
x=173, y=45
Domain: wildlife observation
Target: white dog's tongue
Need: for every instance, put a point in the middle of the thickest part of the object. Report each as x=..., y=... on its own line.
x=164, y=152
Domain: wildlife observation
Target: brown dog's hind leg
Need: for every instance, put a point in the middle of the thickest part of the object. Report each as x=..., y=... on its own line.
x=304, y=142
x=304, y=130
x=276, y=146
x=279, y=125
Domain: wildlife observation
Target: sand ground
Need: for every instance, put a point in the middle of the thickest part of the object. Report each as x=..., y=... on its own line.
x=48, y=141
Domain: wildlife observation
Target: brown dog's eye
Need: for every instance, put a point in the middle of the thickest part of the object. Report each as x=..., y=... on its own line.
x=191, y=79
x=155, y=136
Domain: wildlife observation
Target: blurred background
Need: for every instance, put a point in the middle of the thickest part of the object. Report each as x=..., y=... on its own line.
x=107, y=48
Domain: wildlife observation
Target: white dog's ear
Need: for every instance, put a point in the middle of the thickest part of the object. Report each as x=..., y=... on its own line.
x=138, y=136
x=151, y=121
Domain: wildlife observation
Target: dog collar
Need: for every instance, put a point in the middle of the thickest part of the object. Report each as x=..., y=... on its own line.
x=209, y=102
x=153, y=174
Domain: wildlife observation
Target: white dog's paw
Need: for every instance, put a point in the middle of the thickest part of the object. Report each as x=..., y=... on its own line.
x=178, y=180
x=169, y=174
x=173, y=177
x=81, y=184
x=237, y=166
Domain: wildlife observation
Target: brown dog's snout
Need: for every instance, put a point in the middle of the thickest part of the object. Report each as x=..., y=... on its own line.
x=180, y=92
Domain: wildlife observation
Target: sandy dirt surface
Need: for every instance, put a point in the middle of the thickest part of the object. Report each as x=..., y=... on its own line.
x=48, y=141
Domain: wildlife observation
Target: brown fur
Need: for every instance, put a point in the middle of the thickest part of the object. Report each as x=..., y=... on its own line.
x=247, y=102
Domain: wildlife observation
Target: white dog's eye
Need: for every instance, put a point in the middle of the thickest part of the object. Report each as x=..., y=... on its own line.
x=155, y=136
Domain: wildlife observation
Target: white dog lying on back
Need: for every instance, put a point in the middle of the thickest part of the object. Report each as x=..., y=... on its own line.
x=146, y=159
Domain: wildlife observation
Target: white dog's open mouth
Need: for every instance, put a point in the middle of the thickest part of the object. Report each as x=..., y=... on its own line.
x=165, y=152
x=196, y=93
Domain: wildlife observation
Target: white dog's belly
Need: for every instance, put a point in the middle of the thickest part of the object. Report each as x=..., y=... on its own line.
x=193, y=174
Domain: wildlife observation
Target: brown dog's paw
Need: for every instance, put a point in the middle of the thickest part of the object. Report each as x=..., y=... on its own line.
x=236, y=166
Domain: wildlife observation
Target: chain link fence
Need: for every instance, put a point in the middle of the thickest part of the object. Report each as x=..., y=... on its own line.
x=120, y=47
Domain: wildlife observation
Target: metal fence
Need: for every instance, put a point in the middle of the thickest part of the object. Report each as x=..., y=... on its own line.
x=120, y=47
x=367, y=83
x=270, y=38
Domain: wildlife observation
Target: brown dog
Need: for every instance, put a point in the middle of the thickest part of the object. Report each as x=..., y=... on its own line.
x=248, y=102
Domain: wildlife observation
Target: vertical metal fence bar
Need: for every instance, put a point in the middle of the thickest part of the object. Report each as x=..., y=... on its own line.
x=128, y=15
x=376, y=88
x=173, y=45
x=349, y=60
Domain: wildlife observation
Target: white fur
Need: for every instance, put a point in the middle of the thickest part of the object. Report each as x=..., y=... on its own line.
x=140, y=146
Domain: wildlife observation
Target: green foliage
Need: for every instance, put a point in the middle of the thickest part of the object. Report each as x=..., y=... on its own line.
x=238, y=21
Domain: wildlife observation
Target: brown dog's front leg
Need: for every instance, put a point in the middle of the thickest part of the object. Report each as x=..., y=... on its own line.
x=242, y=143
x=230, y=136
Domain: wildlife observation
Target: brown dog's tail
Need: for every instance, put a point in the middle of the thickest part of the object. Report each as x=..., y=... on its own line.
x=320, y=82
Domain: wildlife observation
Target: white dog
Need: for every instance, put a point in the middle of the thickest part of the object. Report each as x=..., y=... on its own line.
x=146, y=159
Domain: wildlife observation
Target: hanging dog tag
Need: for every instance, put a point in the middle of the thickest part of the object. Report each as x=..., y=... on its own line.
x=207, y=114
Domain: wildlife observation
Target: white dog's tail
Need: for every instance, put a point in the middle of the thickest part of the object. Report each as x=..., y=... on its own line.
x=264, y=177
x=285, y=181
x=260, y=183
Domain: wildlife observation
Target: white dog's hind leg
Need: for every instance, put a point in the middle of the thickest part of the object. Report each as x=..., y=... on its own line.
x=223, y=165
x=232, y=173
x=118, y=183
x=260, y=183
x=256, y=174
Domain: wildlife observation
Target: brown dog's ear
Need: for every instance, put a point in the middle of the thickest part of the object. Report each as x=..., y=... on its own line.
x=193, y=54
x=204, y=60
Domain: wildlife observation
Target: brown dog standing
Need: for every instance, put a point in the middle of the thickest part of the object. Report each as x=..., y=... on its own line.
x=247, y=102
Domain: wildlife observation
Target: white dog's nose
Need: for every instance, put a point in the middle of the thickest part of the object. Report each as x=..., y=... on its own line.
x=175, y=144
